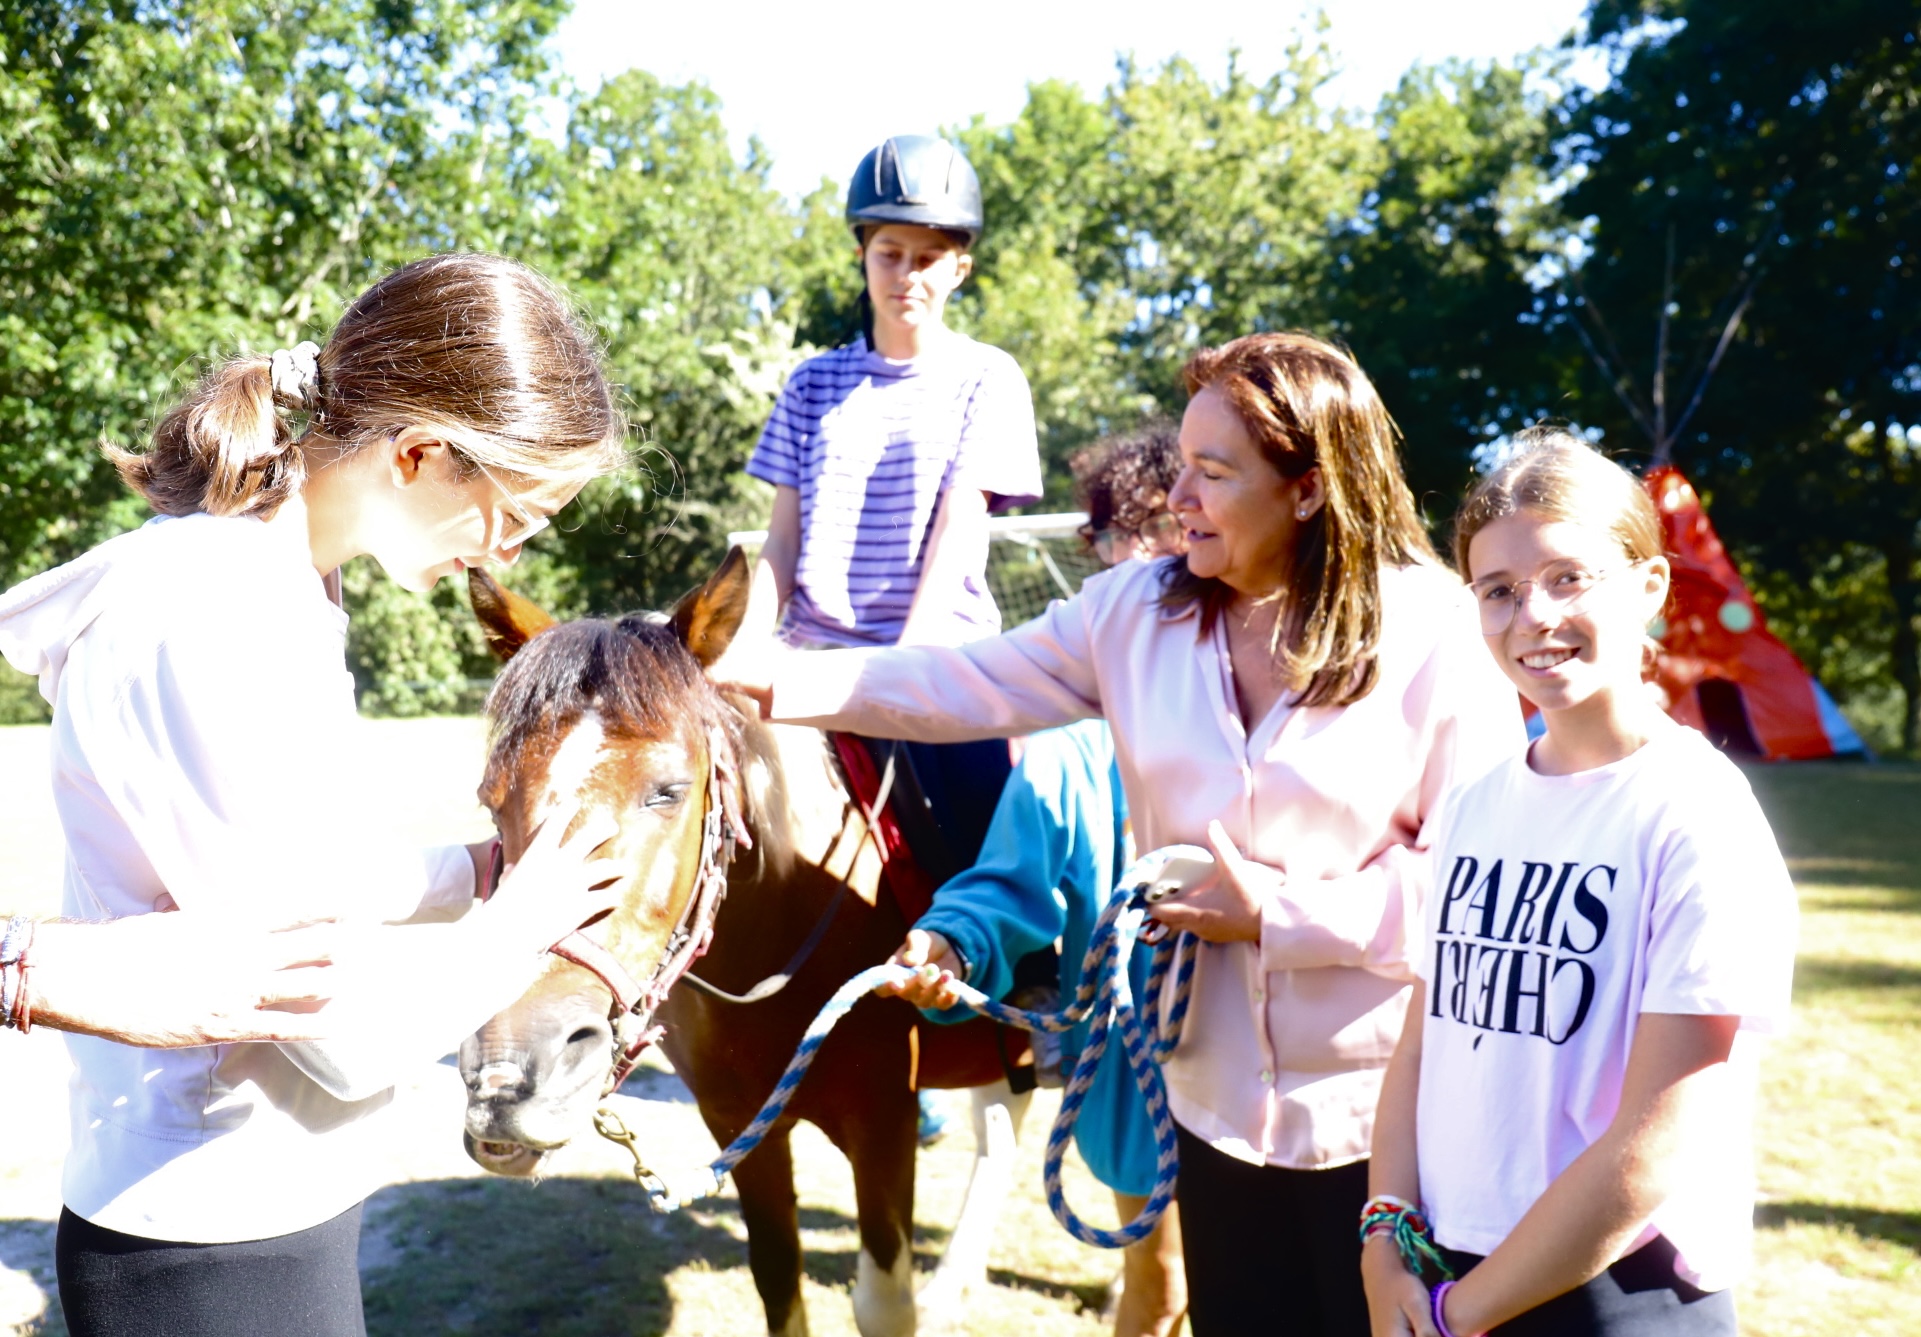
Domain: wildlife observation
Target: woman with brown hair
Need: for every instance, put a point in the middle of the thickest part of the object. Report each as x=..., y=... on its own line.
x=1296, y=692
x=203, y=726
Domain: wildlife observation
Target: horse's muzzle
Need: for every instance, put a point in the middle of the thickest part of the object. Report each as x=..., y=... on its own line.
x=515, y=1160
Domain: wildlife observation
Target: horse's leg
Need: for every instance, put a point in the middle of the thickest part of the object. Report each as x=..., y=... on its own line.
x=765, y=1181
x=880, y=1142
x=998, y=1114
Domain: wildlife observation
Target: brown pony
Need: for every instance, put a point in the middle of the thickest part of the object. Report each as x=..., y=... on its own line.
x=621, y=714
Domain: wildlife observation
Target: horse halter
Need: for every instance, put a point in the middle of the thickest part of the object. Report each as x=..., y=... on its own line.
x=634, y=1005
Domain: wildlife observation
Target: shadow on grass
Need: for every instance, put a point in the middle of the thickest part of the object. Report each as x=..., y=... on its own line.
x=565, y=1258
x=1901, y=1228
x=1820, y=974
x=1090, y=1299
x=26, y=1248
x=580, y=1258
x=1846, y=825
x=1857, y=874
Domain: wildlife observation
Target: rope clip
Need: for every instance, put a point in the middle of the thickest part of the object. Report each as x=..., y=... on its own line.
x=610, y=1126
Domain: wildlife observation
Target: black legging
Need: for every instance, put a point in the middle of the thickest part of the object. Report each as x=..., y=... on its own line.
x=1640, y=1296
x=306, y=1284
x=1270, y=1251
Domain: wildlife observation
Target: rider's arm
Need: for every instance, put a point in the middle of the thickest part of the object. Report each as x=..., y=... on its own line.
x=774, y=569
x=956, y=549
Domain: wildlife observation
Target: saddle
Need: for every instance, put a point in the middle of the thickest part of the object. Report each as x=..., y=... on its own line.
x=926, y=833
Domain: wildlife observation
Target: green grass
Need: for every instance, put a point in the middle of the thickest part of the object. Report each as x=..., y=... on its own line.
x=1840, y=1213
x=1839, y=1244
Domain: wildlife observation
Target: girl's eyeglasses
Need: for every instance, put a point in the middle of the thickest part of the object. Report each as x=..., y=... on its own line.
x=1158, y=534
x=1566, y=586
x=526, y=523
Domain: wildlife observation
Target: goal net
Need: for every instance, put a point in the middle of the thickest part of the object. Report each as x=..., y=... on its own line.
x=1031, y=561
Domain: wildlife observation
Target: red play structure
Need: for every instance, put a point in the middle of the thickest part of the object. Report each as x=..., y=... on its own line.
x=1722, y=671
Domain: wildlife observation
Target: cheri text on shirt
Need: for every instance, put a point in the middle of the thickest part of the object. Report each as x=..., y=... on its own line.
x=1509, y=952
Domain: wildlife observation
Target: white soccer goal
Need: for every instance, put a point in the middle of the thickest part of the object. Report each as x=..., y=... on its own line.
x=1031, y=560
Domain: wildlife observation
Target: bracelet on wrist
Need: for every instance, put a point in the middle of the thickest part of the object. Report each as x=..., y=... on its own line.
x=1413, y=1236
x=16, y=996
x=1438, y=1299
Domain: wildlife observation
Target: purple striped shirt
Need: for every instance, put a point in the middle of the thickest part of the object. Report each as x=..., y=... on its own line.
x=871, y=444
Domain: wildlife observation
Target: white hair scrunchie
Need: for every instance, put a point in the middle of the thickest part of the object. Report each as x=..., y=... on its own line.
x=296, y=376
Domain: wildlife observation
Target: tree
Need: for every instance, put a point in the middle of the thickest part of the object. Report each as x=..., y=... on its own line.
x=1125, y=231
x=179, y=180
x=1748, y=182
x=1432, y=281
x=680, y=255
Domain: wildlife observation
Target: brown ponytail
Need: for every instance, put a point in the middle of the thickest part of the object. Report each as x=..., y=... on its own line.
x=224, y=450
x=477, y=346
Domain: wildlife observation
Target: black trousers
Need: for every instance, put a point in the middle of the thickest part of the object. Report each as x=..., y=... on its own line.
x=1269, y=1251
x=1640, y=1296
x=306, y=1284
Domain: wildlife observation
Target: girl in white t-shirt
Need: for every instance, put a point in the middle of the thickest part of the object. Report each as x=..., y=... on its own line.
x=1567, y=1115
x=203, y=761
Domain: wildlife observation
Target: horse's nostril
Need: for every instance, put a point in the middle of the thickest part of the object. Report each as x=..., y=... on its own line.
x=583, y=1036
x=498, y=1077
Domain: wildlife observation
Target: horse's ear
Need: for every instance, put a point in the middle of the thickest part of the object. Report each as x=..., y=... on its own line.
x=706, y=619
x=508, y=620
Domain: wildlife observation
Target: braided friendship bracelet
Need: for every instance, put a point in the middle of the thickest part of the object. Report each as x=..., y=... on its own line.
x=16, y=1007
x=1386, y=1214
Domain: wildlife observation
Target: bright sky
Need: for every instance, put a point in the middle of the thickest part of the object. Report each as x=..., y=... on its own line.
x=821, y=84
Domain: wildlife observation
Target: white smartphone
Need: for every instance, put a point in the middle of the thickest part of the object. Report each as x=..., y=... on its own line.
x=1182, y=866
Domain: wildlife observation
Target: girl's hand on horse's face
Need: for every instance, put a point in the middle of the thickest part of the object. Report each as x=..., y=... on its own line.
x=557, y=884
x=1397, y=1302
x=937, y=969
x=1225, y=907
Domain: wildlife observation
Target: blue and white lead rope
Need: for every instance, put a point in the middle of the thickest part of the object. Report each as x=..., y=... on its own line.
x=1106, y=993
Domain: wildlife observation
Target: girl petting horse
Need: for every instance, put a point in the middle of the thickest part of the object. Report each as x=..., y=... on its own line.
x=203, y=733
x=1571, y=1100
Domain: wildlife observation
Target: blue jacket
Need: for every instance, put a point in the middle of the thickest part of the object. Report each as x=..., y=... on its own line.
x=1057, y=846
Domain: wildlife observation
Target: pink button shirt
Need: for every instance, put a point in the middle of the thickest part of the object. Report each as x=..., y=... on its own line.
x=1282, y=1058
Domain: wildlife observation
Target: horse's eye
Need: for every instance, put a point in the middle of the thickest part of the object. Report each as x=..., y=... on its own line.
x=667, y=796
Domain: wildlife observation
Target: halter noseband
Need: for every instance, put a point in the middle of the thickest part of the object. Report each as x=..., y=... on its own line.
x=634, y=1005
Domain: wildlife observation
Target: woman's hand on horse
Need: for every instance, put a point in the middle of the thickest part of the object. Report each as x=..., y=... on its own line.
x=747, y=666
x=165, y=981
x=558, y=883
x=1225, y=907
x=936, y=966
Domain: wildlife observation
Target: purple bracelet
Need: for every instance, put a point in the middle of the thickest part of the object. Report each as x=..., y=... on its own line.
x=1440, y=1306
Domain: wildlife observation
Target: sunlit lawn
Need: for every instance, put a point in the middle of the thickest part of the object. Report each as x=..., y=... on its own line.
x=1841, y=1105
x=579, y=1256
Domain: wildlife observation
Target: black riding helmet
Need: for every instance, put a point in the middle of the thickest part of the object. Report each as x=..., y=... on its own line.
x=916, y=179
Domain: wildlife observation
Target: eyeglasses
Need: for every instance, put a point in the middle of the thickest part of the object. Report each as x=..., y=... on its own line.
x=1567, y=587
x=1158, y=534
x=528, y=524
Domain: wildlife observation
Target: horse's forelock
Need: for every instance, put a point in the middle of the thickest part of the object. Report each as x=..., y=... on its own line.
x=634, y=674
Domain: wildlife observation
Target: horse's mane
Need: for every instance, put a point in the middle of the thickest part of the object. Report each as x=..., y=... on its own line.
x=639, y=679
